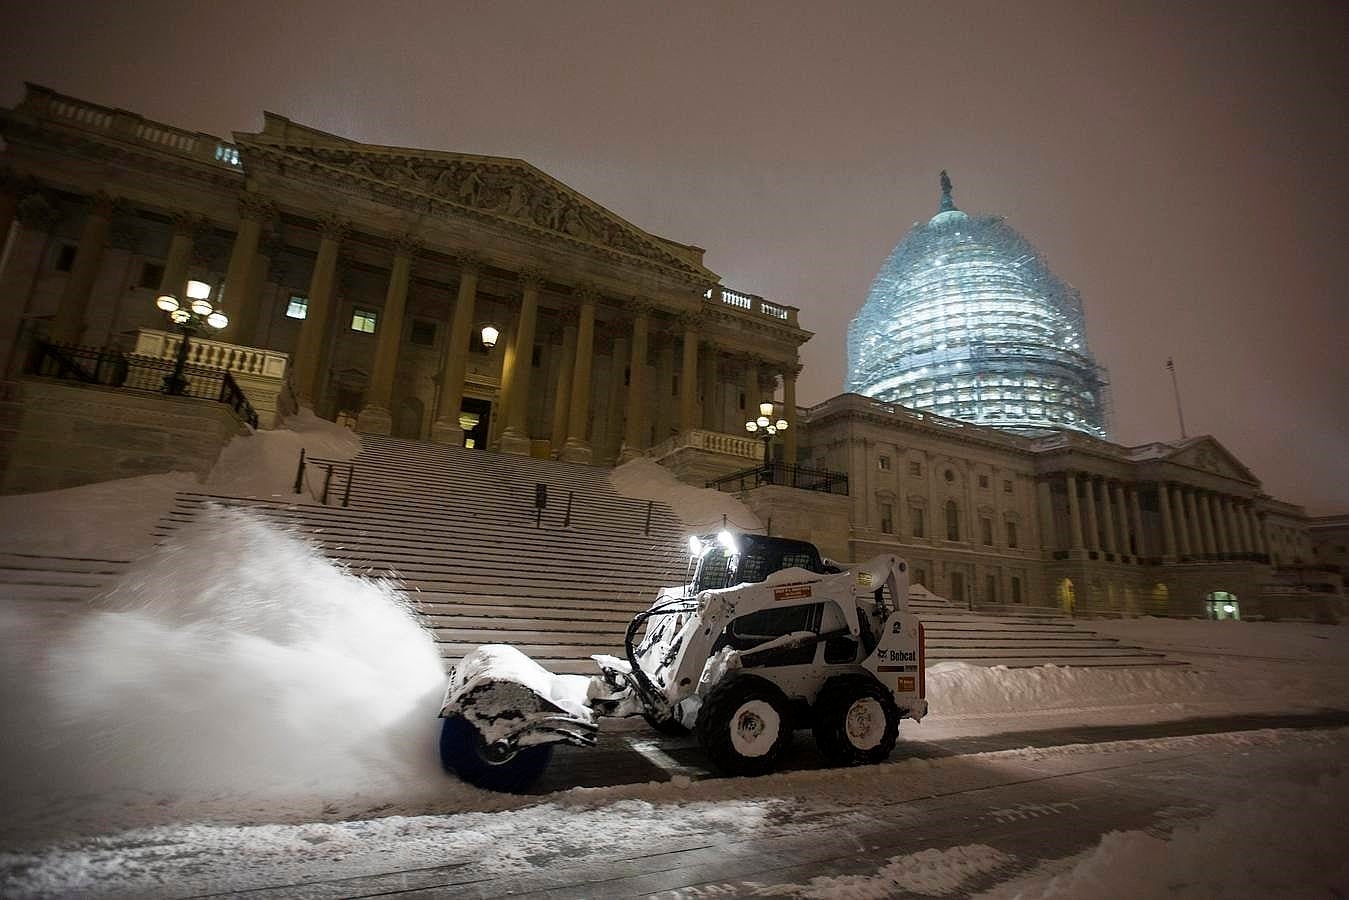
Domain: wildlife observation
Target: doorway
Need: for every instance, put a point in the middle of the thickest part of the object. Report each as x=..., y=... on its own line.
x=1067, y=596
x=1222, y=606
x=475, y=417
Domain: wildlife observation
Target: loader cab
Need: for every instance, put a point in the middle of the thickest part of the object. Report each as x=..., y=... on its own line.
x=726, y=560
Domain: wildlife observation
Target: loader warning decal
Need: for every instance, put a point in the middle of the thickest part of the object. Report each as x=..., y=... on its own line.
x=904, y=684
x=792, y=592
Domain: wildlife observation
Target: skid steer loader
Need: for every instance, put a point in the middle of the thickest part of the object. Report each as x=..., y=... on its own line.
x=765, y=637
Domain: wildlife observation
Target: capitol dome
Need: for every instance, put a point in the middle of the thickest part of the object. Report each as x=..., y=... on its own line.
x=966, y=320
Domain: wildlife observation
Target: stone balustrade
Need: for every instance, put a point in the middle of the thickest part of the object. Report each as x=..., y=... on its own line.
x=131, y=127
x=755, y=305
x=212, y=354
x=709, y=442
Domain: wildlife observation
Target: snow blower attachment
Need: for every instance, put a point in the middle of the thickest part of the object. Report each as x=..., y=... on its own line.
x=765, y=637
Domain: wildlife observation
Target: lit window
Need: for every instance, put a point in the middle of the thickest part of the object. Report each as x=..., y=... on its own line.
x=298, y=307
x=363, y=320
x=883, y=462
x=983, y=481
x=916, y=469
x=887, y=519
x=916, y=519
x=1006, y=487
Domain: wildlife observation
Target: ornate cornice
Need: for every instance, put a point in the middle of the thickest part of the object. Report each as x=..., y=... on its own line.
x=255, y=208
x=333, y=227
x=407, y=244
x=532, y=279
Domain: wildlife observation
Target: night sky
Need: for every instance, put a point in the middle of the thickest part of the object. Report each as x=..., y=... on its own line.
x=1187, y=169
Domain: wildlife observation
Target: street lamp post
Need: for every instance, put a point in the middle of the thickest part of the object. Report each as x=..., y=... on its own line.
x=197, y=316
x=765, y=426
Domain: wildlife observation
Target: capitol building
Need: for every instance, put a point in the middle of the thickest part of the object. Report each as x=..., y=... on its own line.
x=477, y=301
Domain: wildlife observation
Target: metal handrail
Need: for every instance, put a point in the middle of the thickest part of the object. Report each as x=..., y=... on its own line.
x=329, y=467
x=780, y=473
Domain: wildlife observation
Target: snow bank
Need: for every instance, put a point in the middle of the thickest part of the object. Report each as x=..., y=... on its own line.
x=700, y=509
x=263, y=464
x=233, y=663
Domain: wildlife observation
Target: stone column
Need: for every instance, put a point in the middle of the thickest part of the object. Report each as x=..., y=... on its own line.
x=1168, y=523
x=1248, y=528
x=1044, y=502
x=577, y=449
x=688, y=374
x=664, y=375
x=11, y=187
x=1230, y=534
x=562, y=397
x=1074, y=510
x=505, y=382
x=21, y=259
x=235, y=300
x=376, y=417
x=174, y=280
x=789, y=376
x=613, y=424
x=515, y=439
x=1093, y=523
x=634, y=426
x=1210, y=533
x=1136, y=513
x=446, y=429
x=1192, y=529
x=304, y=363
x=1124, y=546
x=712, y=406
x=751, y=388
x=1108, y=514
x=68, y=325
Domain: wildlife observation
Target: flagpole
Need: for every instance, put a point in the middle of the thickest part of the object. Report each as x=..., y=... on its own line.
x=1175, y=386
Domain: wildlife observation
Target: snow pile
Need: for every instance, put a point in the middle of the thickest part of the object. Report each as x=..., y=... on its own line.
x=234, y=662
x=700, y=509
x=1226, y=855
x=115, y=519
x=263, y=464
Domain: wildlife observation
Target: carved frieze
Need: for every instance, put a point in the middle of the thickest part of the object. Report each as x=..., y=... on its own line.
x=502, y=189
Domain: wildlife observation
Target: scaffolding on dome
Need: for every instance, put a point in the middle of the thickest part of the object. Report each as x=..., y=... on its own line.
x=966, y=320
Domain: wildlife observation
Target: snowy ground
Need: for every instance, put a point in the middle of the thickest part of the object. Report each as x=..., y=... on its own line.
x=206, y=725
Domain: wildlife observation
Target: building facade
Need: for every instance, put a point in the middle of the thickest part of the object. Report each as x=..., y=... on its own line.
x=357, y=278
x=1064, y=520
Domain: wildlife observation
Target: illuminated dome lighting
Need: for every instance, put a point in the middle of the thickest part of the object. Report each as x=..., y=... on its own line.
x=965, y=320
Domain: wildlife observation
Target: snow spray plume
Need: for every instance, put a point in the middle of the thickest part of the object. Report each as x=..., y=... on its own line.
x=233, y=661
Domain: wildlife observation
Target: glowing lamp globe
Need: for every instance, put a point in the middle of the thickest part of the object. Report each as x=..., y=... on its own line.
x=167, y=302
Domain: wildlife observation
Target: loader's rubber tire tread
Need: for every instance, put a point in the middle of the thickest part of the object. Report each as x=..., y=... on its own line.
x=463, y=752
x=669, y=727
x=830, y=720
x=716, y=722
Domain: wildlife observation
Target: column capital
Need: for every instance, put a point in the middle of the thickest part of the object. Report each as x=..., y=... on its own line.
x=333, y=227
x=254, y=207
x=185, y=222
x=36, y=211
x=532, y=279
x=469, y=262
x=406, y=244
x=586, y=293
x=793, y=371
x=691, y=321
x=103, y=204
x=641, y=306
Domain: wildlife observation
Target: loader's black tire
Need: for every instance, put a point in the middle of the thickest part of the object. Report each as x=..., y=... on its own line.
x=744, y=725
x=855, y=721
x=466, y=754
x=671, y=727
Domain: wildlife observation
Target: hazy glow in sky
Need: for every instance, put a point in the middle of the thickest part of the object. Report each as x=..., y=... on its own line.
x=1181, y=165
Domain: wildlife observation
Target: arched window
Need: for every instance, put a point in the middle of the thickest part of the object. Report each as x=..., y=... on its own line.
x=952, y=521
